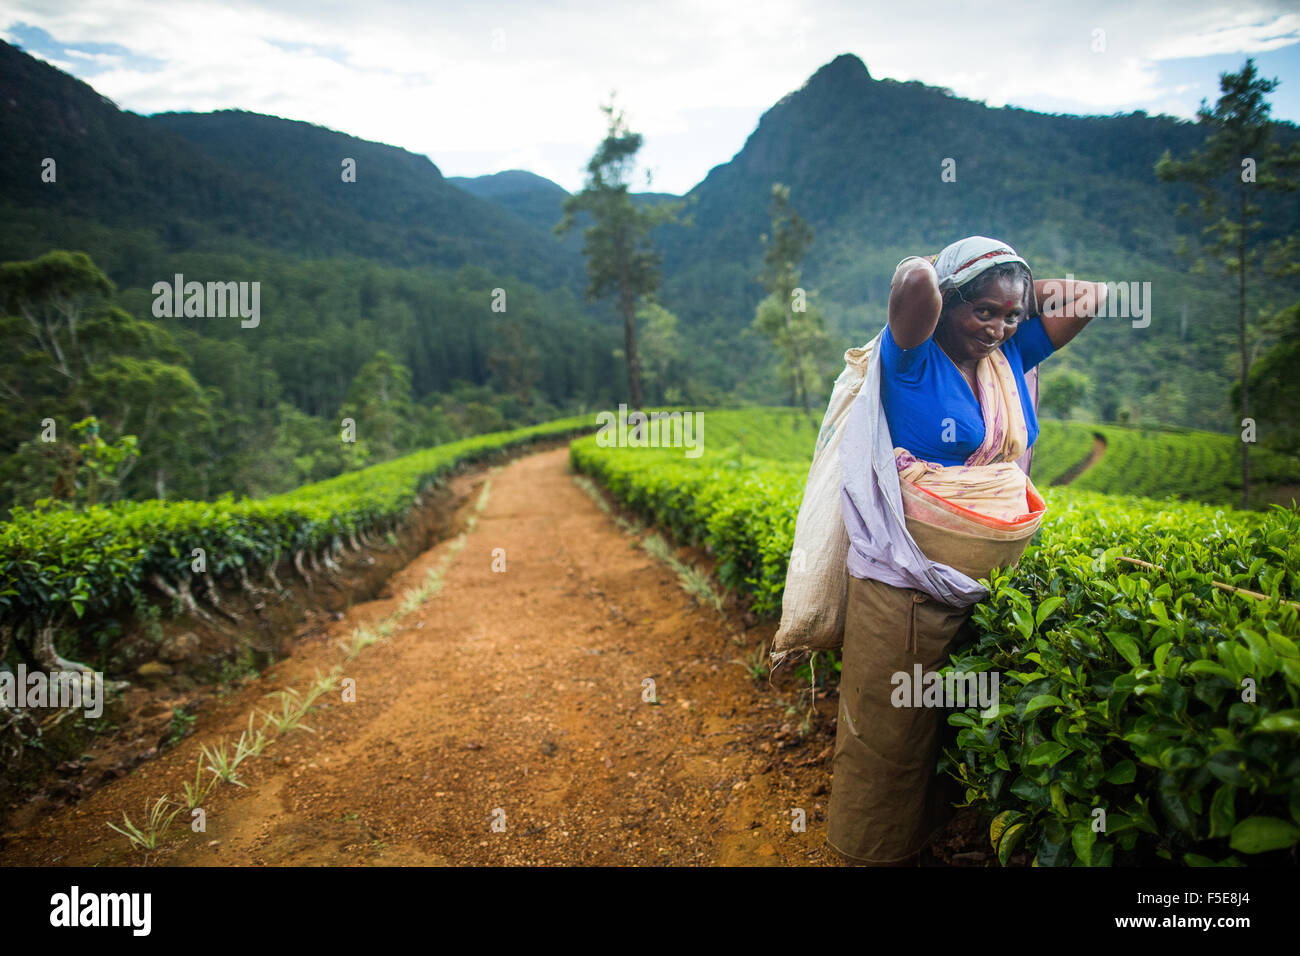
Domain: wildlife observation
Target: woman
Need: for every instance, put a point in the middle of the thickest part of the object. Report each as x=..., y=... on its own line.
x=942, y=427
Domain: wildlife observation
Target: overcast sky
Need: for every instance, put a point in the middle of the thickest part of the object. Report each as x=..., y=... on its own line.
x=485, y=86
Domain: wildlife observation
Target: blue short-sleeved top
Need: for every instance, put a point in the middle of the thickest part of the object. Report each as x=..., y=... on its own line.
x=922, y=387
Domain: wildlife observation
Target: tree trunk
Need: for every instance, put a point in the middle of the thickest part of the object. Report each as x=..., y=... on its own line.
x=1241, y=343
x=271, y=576
x=44, y=652
x=796, y=359
x=629, y=347
x=302, y=572
x=214, y=598
x=182, y=594
x=800, y=389
x=25, y=728
x=245, y=584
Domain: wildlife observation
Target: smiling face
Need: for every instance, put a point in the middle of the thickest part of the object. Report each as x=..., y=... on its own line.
x=970, y=330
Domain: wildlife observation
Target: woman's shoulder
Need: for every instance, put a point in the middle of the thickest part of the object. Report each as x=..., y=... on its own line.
x=900, y=360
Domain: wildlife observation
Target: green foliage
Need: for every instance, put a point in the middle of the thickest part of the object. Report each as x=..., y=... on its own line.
x=157, y=822
x=1157, y=697
x=1194, y=466
x=69, y=354
x=75, y=474
x=1241, y=160
x=740, y=498
x=214, y=407
x=53, y=565
x=182, y=723
x=379, y=400
x=1062, y=389
x=740, y=512
x=1059, y=447
x=660, y=348
x=1276, y=387
x=796, y=329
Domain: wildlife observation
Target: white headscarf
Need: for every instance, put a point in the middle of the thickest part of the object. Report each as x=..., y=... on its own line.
x=964, y=259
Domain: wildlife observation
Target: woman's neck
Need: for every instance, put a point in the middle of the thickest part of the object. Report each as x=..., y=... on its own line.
x=966, y=366
x=944, y=342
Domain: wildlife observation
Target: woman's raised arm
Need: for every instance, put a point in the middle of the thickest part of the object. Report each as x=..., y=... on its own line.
x=1067, y=306
x=914, y=303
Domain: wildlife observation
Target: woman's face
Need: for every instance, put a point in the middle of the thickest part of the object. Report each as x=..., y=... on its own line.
x=972, y=330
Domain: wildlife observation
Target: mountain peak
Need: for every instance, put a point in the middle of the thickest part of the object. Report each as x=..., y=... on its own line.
x=846, y=66
x=843, y=78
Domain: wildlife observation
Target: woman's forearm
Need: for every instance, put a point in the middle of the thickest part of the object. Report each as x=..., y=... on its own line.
x=1069, y=297
x=1067, y=305
x=914, y=303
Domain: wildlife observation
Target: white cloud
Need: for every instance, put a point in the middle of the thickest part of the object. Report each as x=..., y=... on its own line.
x=506, y=78
x=1246, y=35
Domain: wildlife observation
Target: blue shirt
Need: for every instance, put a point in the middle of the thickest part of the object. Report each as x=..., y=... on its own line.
x=931, y=409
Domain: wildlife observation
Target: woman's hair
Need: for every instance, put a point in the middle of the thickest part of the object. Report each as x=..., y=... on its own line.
x=977, y=286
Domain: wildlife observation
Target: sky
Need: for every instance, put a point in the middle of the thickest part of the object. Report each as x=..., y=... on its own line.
x=486, y=86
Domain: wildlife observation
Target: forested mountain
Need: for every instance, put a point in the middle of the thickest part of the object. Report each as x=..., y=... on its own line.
x=533, y=198
x=380, y=287
x=391, y=278
x=203, y=181
x=863, y=159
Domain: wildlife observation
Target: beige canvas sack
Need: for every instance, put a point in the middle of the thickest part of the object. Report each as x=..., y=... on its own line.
x=817, y=580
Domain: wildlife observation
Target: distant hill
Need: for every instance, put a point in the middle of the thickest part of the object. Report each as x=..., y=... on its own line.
x=535, y=199
x=204, y=180
x=506, y=184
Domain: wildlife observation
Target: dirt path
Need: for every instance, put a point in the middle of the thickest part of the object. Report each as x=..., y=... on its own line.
x=511, y=697
x=1094, y=456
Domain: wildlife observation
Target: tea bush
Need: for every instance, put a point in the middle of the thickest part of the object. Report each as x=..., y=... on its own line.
x=1187, y=465
x=63, y=563
x=1145, y=713
x=1151, y=692
x=737, y=507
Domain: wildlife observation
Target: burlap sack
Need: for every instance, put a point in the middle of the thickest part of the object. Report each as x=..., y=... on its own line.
x=816, y=582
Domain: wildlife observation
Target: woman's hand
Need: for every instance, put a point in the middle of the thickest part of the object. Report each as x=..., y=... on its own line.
x=1066, y=306
x=914, y=303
